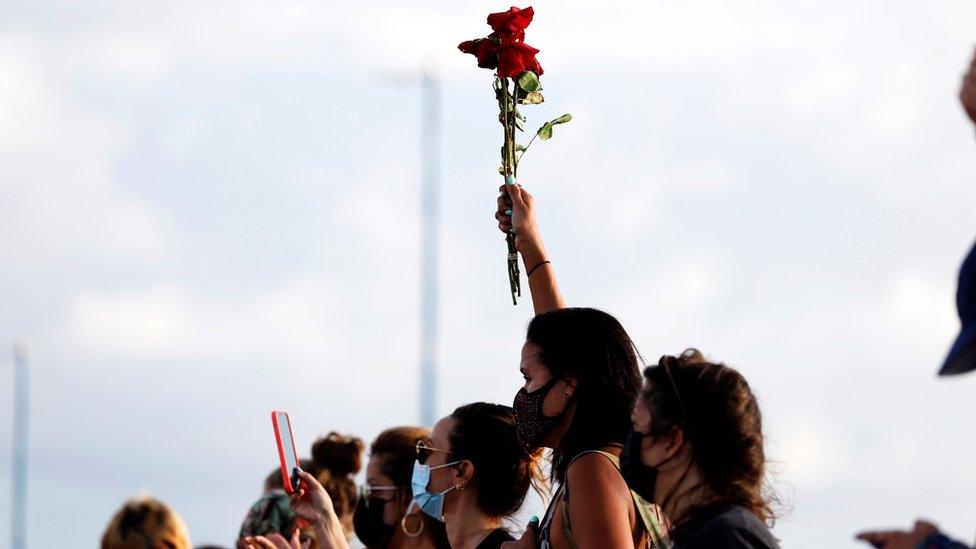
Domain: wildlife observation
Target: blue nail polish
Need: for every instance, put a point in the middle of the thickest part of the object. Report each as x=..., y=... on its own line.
x=534, y=520
x=510, y=179
x=508, y=212
x=512, y=230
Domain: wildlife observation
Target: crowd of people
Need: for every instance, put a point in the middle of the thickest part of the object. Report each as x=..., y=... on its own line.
x=671, y=455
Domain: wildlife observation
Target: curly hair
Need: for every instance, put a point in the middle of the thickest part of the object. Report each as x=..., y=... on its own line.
x=718, y=414
x=337, y=459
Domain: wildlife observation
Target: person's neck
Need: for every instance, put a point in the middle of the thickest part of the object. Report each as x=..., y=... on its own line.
x=467, y=526
x=682, y=491
x=403, y=541
x=555, y=438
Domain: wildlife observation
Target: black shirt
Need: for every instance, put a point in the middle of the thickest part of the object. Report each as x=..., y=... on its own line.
x=728, y=527
x=495, y=539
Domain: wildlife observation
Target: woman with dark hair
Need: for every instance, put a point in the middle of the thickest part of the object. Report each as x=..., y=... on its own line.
x=383, y=519
x=474, y=473
x=697, y=452
x=581, y=378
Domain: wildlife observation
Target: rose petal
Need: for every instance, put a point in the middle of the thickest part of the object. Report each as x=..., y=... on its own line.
x=513, y=21
x=469, y=46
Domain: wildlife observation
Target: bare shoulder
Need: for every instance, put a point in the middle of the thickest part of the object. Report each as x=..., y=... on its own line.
x=596, y=478
x=599, y=504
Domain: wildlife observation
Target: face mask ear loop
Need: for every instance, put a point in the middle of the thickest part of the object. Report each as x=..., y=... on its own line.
x=436, y=467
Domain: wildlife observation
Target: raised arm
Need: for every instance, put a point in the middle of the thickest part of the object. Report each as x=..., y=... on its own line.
x=540, y=273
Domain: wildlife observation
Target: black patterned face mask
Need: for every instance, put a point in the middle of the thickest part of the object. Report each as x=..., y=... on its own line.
x=532, y=426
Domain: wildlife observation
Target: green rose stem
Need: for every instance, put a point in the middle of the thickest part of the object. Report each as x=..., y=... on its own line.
x=510, y=168
x=523, y=90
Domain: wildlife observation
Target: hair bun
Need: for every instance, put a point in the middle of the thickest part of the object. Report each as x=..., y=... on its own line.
x=340, y=455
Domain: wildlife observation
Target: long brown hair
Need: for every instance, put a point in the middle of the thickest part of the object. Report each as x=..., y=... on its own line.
x=504, y=468
x=718, y=414
x=396, y=448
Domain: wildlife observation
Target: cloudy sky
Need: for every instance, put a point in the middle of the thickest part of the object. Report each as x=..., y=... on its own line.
x=209, y=210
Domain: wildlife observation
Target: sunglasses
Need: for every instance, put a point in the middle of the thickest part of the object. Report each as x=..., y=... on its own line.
x=665, y=365
x=424, y=450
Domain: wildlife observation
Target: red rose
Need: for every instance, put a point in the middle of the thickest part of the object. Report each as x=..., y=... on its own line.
x=504, y=47
x=516, y=58
x=485, y=49
x=510, y=25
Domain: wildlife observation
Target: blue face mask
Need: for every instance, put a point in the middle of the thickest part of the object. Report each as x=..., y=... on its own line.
x=430, y=504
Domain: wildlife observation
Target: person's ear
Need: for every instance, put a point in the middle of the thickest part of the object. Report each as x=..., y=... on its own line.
x=675, y=442
x=465, y=472
x=571, y=383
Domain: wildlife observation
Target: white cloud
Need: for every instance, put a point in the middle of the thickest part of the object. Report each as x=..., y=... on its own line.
x=919, y=311
x=900, y=104
x=828, y=82
x=58, y=170
x=812, y=453
x=150, y=325
x=296, y=322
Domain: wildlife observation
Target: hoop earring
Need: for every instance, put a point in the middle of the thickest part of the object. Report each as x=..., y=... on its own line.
x=403, y=525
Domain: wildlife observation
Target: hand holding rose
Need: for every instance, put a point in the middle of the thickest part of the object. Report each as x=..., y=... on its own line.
x=520, y=216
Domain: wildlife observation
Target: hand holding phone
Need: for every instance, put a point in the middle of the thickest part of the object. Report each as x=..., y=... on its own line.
x=286, y=451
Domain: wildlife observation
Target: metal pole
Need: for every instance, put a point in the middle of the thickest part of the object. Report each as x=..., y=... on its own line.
x=18, y=526
x=430, y=154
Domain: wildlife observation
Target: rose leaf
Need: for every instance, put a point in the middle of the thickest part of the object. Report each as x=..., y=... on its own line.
x=545, y=132
x=533, y=98
x=529, y=81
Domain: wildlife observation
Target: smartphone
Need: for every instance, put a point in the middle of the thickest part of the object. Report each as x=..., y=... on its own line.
x=286, y=451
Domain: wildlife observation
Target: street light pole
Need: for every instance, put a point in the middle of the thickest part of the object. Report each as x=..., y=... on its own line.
x=430, y=149
x=430, y=157
x=23, y=350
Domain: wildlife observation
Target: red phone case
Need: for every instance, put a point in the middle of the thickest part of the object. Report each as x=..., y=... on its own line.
x=285, y=473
